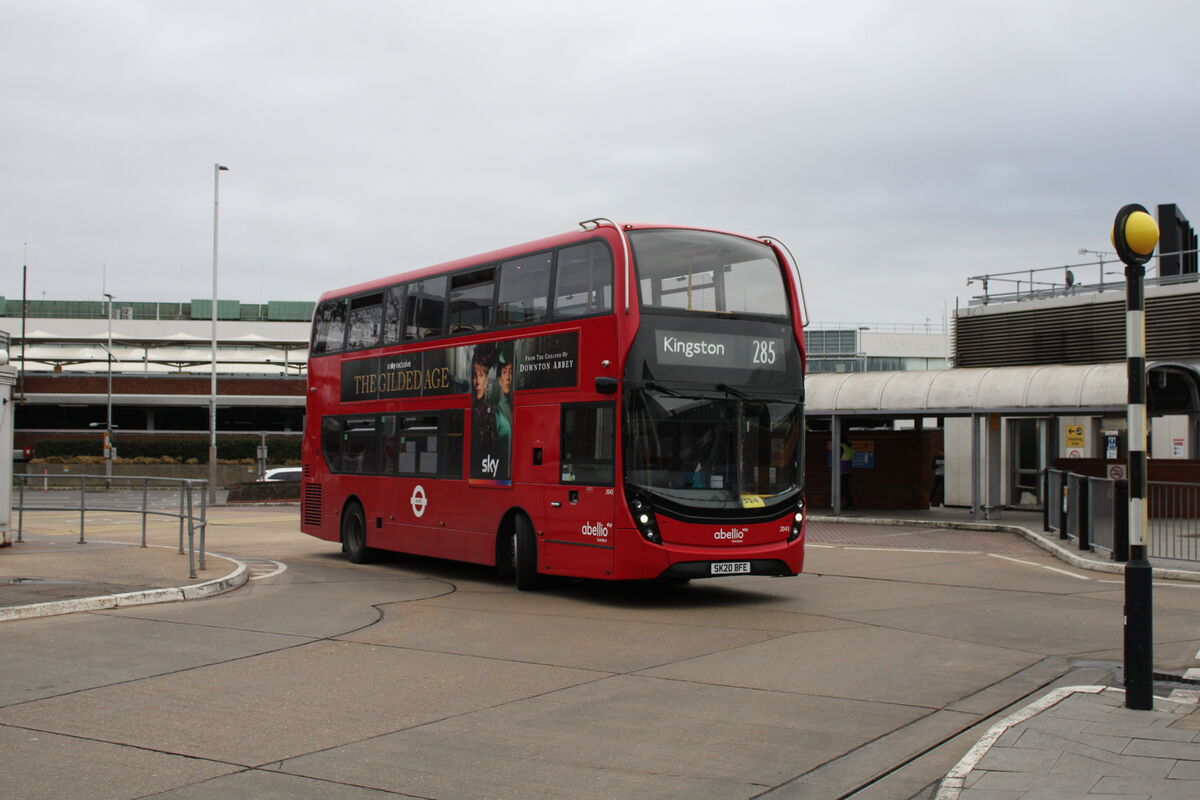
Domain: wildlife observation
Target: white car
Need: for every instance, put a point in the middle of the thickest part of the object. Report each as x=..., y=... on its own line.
x=283, y=474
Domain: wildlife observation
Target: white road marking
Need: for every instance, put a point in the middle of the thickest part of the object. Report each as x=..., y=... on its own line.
x=917, y=550
x=264, y=568
x=1159, y=585
x=1041, y=566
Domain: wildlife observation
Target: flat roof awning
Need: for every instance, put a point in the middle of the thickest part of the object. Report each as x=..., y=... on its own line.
x=1054, y=389
x=223, y=400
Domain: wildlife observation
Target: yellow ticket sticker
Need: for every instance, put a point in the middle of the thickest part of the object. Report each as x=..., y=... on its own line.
x=752, y=501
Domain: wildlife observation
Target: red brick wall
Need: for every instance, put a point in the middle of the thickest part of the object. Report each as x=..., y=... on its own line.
x=901, y=478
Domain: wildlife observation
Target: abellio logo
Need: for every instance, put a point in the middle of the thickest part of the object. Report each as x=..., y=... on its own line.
x=599, y=529
x=733, y=535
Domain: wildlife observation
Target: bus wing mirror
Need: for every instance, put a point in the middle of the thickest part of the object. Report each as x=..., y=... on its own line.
x=606, y=385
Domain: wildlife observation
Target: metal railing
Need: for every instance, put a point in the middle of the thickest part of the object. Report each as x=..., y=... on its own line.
x=1052, y=502
x=1101, y=513
x=1174, y=510
x=938, y=327
x=144, y=495
x=1087, y=277
x=1092, y=511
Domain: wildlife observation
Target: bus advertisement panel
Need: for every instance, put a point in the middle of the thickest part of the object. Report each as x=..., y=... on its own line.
x=491, y=372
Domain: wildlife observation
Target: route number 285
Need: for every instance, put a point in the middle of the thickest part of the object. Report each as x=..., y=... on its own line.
x=764, y=351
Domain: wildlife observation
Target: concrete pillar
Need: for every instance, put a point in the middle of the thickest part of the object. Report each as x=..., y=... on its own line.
x=835, y=464
x=8, y=379
x=994, y=501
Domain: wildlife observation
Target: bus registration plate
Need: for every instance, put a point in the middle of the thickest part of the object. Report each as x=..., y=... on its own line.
x=730, y=567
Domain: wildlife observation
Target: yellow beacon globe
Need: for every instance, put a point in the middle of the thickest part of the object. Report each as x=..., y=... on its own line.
x=1141, y=233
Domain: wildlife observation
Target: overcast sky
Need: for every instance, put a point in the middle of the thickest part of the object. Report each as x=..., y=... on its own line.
x=897, y=147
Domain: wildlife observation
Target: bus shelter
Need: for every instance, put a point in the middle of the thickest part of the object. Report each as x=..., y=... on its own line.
x=982, y=394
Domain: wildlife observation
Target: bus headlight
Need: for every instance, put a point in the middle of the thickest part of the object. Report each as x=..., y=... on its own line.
x=797, y=522
x=647, y=525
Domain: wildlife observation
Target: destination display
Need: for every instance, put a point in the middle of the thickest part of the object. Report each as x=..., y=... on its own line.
x=723, y=350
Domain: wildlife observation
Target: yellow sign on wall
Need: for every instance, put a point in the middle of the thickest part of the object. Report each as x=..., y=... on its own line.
x=1075, y=436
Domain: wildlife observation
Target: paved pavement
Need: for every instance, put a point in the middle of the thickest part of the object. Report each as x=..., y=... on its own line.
x=50, y=572
x=1074, y=742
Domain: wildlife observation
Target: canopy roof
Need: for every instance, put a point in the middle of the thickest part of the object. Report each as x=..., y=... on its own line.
x=1057, y=389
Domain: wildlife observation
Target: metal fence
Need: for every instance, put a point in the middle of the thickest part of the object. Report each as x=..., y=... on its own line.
x=1174, y=510
x=1101, y=512
x=1053, y=502
x=1091, y=512
x=182, y=498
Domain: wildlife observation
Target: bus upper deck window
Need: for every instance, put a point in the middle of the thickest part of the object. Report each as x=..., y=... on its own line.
x=365, y=322
x=706, y=272
x=329, y=327
x=471, y=297
x=524, y=287
x=425, y=308
x=393, y=315
x=583, y=280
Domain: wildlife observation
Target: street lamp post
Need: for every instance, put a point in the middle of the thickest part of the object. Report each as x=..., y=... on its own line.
x=212, y=401
x=1135, y=235
x=108, y=426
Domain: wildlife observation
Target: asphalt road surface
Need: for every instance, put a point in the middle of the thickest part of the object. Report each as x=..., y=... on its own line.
x=866, y=677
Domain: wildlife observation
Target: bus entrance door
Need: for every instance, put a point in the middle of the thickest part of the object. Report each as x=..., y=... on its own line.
x=579, y=539
x=575, y=521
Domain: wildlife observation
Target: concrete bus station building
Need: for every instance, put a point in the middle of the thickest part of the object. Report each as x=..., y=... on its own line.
x=1038, y=381
x=156, y=376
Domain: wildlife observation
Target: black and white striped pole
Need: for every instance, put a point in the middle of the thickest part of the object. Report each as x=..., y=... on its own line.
x=1135, y=235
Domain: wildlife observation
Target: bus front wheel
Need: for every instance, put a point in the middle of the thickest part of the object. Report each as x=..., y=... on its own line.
x=524, y=554
x=354, y=535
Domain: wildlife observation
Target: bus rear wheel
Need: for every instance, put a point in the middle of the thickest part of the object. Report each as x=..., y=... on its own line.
x=524, y=555
x=354, y=535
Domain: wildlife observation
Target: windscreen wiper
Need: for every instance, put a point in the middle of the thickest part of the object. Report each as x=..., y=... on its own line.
x=727, y=389
x=658, y=387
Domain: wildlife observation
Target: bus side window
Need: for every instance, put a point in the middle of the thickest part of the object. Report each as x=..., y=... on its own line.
x=360, y=451
x=363, y=326
x=583, y=280
x=524, y=286
x=329, y=327
x=471, y=298
x=588, y=433
x=393, y=315
x=423, y=443
x=331, y=442
x=389, y=444
x=410, y=441
x=425, y=311
x=451, y=463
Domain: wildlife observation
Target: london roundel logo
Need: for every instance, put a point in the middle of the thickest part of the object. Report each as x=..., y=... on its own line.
x=418, y=501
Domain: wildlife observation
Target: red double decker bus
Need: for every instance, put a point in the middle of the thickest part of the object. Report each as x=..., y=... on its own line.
x=620, y=402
